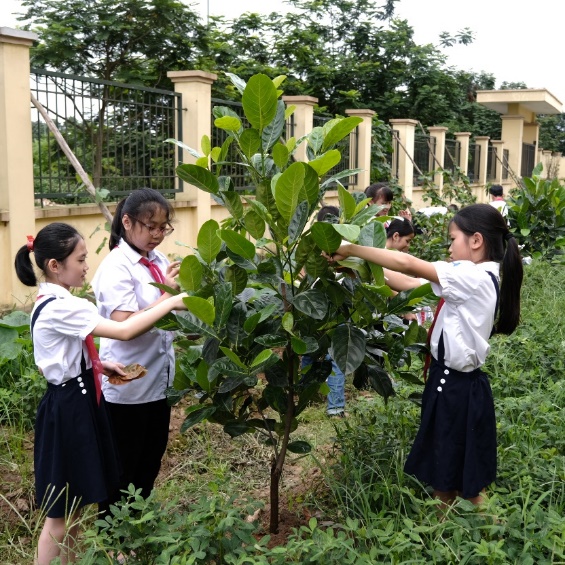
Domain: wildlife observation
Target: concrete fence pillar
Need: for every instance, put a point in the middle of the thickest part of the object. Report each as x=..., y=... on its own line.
x=513, y=136
x=196, y=90
x=405, y=132
x=438, y=132
x=360, y=147
x=16, y=158
x=303, y=120
x=464, y=138
x=498, y=147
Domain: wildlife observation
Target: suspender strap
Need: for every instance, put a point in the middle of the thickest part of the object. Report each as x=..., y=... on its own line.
x=38, y=311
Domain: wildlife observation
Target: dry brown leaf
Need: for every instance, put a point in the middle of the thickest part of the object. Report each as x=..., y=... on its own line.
x=132, y=372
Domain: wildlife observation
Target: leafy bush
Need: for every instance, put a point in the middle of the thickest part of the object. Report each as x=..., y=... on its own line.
x=536, y=212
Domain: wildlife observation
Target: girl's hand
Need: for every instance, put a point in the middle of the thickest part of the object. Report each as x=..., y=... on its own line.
x=112, y=367
x=406, y=214
x=179, y=304
x=172, y=272
x=343, y=252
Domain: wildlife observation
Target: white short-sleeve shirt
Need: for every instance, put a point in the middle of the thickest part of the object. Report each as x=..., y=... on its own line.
x=123, y=283
x=59, y=333
x=467, y=317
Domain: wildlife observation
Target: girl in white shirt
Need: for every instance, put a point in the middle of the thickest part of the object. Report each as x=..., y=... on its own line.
x=455, y=448
x=122, y=286
x=74, y=456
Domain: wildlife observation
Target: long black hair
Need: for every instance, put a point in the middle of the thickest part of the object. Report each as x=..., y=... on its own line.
x=502, y=247
x=402, y=227
x=55, y=241
x=142, y=203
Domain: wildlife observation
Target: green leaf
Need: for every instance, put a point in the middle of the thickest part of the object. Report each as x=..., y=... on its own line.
x=9, y=347
x=348, y=347
x=201, y=308
x=188, y=149
x=298, y=221
x=206, y=145
x=224, y=303
x=270, y=340
x=262, y=358
x=316, y=139
x=254, y=224
x=192, y=324
x=290, y=190
x=301, y=447
x=298, y=346
x=326, y=237
x=365, y=215
x=196, y=416
x=249, y=142
x=260, y=101
x=373, y=234
x=325, y=162
x=342, y=128
x=275, y=398
x=346, y=203
x=233, y=356
x=259, y=209
x=316, y=266
x=199, y=177
x=190, y=273
x=235, y=428
x=347, y=231
x=228, y=123
x=312, y=303
x=232, y=201
x=288, y=322
x=17, y=320
x=274, y=130
x=311, y=184
x=238, y=82
x=202, y=162
x=209, y=244
x=237, y=243
x=251, y=322
x=215, y=154
x=280, y=155
x=237, y=276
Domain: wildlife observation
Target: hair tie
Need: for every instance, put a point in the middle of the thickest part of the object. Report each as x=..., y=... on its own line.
x=30, y=240
x=508, y=236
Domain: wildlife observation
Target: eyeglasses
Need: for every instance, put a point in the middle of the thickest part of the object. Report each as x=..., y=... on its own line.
x=155, y=231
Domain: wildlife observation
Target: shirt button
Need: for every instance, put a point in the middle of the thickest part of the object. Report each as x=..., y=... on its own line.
x=79, y=379
x=81, y=385
x=442, y=381
x=446, y=372
x=439, y=389
x=83, y=391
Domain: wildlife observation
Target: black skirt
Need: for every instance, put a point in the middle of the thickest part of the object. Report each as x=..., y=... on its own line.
x=455, y=448
x=76, y=462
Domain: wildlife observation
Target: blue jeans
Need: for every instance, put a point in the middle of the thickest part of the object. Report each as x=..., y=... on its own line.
x=336, y=383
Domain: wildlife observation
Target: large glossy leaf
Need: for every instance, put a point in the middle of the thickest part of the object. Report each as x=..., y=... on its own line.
x=280, y=155
x=235, y=428
x=196, y=416
x=254, y=224
x=260, y=101
x=316, y=265
x=338, y=176
x=237, y=276
x=316, y=139
x=274, y=130
x=311, y=184
x=190, y=273
x=298, y=221
x=271, y=340
x=17, y=320
x=237, y=243
x=9, y=347
x=348, y=347
x=325, y=162
x=372, y=234
x=232, y=201
x=290, y=190
x=325, y=236
x=340, y=130
x=259, y=209
x=365, y=215
x=224, y=303
x=299, y=446
x=276, y=398
x=347, y=231
x=201, y=308
x=380, y=381
x=195, y=325
x=238, y=82
x=228, y=123
x=198, y=176
x=188, y=149
x=249, y=142
x=346, y=203
x=313, y=303
x=209, y=244
x=234, y=326
x=303, y=250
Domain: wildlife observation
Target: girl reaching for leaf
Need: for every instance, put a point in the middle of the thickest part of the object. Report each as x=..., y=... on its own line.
x=74, y=455
x=479, y=290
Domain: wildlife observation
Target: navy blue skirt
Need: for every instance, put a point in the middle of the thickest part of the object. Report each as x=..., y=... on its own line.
x=76, y=462
x=455, y=448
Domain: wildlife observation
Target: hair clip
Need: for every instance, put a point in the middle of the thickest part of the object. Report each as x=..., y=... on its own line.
x=30, y=240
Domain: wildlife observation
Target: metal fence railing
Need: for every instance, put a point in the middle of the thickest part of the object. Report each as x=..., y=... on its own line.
x=505, y=166
x=424, y=151
x=474, y=165
x=528, y=159
x=491, y=163
x=393, y=157
x=451, y=154
x=117, y=132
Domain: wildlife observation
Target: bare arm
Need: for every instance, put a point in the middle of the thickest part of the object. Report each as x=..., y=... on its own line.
x=399, y=262
x=399, y=281
x=132, y=326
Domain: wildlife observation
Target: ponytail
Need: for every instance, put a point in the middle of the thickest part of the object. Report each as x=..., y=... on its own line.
x=24, y=267
x=512, y=274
